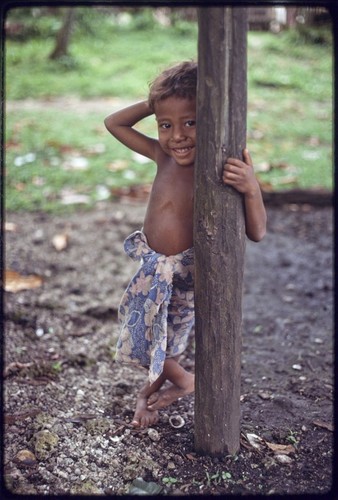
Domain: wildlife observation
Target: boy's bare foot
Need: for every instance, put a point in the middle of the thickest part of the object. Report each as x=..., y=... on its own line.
x=142, y=416
x=166, y=397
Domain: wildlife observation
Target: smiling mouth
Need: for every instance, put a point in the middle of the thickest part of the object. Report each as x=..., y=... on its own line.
x=182, y=150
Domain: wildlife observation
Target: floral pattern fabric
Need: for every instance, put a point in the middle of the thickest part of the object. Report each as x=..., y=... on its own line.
x=156, y=312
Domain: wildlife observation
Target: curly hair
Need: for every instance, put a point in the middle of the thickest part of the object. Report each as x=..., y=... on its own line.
x=179, y=81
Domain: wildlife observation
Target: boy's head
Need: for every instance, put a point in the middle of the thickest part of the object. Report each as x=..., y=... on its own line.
x=178, y=81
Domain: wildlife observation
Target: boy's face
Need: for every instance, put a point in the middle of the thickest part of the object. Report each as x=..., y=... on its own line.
x=176, y=122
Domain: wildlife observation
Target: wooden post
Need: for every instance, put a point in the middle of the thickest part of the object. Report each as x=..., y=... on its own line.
x=219, y=228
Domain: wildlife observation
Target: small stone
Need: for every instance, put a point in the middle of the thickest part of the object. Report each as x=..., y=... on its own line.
x=44, y=443
x=80, y=394
x=62, y=474
x=153, y=434
x=283, y=459
x=25, y=458
x=38, y=236
x=171, y=465
x=86, y=488
x=264, y=395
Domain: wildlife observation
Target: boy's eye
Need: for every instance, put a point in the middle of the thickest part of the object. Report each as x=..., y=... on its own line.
x=165, y=125
x=190, y=123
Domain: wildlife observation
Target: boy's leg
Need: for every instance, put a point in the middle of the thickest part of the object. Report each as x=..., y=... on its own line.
x=143, y=417
x=183, y=383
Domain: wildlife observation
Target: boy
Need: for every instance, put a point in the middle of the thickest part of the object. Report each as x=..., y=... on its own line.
x=157, y=310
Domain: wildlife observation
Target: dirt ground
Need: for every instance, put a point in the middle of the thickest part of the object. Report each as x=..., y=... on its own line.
x=68, y=405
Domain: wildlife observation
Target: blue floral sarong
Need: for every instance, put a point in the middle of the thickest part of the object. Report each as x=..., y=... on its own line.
x=156, y=313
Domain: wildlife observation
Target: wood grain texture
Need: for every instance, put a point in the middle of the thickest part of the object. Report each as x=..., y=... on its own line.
x=219, y=229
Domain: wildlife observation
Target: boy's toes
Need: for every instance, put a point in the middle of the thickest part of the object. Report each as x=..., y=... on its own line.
x=135, y=422
x=149, y=419
x=152, y=398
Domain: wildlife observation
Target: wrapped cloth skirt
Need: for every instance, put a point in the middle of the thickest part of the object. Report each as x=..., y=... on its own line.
x=156, y=313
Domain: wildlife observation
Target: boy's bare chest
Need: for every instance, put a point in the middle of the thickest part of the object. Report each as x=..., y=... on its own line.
x=173, y=191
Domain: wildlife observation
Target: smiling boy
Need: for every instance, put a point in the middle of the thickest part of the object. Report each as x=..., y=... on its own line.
x=156, y=313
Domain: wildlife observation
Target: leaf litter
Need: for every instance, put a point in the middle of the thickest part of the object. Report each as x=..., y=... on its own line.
x=16, y=282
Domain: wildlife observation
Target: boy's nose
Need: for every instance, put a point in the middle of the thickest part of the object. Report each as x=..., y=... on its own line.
x=178, y=133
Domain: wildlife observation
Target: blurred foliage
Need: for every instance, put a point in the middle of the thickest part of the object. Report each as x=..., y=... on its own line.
x=114, y=54
x=24, y=23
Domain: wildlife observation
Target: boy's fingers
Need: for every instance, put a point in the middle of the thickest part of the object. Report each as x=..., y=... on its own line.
x=247, y=157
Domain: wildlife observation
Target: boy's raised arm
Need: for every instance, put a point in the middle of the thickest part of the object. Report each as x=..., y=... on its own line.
x=120, y=125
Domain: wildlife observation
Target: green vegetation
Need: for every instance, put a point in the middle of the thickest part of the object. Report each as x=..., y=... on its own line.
x=55, y=152
x=290, y=109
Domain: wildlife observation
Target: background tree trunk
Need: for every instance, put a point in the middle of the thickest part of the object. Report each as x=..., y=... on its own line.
x=219, y=236
x=63, y=36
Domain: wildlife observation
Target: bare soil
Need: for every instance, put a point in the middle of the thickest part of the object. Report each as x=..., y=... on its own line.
x=68, y=405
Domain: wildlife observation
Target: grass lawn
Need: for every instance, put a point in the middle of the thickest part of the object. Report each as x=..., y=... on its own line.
x=54, y=153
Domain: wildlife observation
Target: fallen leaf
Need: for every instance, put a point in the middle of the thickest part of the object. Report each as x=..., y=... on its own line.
x=10, y=226
x=96, y=149
x=323, y=425
x=311, y=155
x=14, y=367
x=282, y=165
x=19, y=161
x=255, y=441
x=60, y=241
x=129, y=174
x=257, y=134
x=313, y=141
x=38, y=181
x=15, y=282
x=263, y=167
x=12, y=418
x=102, y=193
x=140, y=158
x=117, y=165
x=76, y=163
x=283, y=459
x=281, y=449
x=190, y=456
x=290, y=179
x=265, y=186
x=70, y=197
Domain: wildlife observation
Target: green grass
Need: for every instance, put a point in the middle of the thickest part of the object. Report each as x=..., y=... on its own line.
x=289, y=111
x=111, y=60
x=44, y=182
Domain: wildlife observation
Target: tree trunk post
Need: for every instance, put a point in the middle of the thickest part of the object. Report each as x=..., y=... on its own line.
x=219, y=229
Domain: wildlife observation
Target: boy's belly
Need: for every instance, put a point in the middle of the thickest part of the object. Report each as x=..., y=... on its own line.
x=168, y=234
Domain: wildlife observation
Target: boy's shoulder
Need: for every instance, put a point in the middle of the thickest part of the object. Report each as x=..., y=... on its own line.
x=162, y=159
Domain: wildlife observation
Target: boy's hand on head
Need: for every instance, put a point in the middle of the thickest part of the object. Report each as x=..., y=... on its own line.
x=240, y=174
